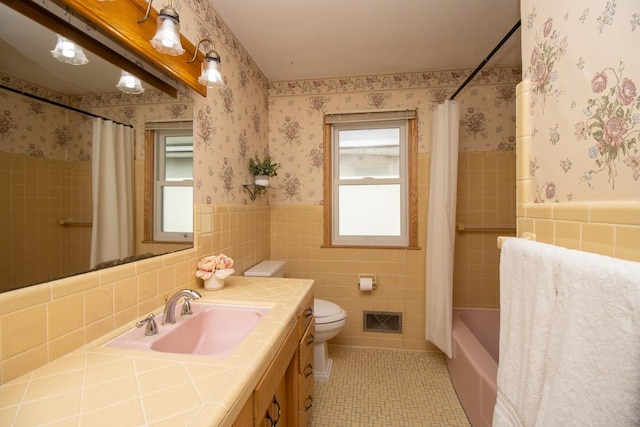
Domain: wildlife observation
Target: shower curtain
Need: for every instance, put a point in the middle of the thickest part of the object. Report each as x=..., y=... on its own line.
x=443, y=180
x=112, y=184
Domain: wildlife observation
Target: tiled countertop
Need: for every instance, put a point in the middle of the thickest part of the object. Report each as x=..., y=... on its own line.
x=97, y=386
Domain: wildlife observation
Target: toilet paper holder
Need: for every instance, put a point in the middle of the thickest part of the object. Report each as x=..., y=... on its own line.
x=373, y=278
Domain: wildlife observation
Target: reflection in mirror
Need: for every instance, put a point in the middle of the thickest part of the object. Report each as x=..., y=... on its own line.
x=47, y=150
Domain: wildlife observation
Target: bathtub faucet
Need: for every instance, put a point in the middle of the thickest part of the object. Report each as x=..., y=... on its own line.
x=169, y=317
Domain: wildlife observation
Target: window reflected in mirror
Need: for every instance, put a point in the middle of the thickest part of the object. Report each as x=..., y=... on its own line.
x=173, y=210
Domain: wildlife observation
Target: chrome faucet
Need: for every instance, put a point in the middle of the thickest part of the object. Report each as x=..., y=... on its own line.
x=169, y=317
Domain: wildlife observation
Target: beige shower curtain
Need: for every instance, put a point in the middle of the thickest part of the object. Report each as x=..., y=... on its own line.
x=443, y=180
x=112, y=185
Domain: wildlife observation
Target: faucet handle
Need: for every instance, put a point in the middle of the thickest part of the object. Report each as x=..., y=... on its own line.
x=151, y=329
x=186, y=307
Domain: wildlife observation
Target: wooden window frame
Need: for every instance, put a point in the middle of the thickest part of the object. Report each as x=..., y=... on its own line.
x=412, y=179
x=149, y=191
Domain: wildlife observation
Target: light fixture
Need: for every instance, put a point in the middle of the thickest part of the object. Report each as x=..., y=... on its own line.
x=167, y=38
x=211, y=75
x=130, y=84
x=68, y=52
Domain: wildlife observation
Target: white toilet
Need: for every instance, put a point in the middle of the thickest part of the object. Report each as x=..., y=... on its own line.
x=330, y=318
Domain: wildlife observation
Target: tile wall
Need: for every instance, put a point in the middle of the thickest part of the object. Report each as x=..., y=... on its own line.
x=486, y=195
x=43, y=322
x=37, y=194
x=296, y=237
x=606, y=228
x=486, y=198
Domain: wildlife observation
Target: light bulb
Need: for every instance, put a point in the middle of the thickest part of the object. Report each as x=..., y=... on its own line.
x=168, y=33
x=68, y=49
x=129, y=84
x=167, y=37
x=211, y=75
x=68, y=52
x=129, y=81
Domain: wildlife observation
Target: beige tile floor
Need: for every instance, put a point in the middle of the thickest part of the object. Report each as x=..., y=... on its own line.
x=381, y=387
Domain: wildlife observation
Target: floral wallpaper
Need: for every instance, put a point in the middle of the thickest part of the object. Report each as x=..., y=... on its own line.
x=249, y=115
x=38, y=129
x=585, y=105
x=296, y=112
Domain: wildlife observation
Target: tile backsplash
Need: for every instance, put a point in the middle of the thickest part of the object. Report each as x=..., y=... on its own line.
x=43, y=322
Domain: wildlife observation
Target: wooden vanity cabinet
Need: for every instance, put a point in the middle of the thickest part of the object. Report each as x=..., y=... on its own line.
x=306, y=328
x=284, y=394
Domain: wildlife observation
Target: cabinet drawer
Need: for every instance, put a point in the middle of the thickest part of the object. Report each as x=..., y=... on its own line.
x=305, y=399
x=306, y=317
x=305, y=391
x=306, y=348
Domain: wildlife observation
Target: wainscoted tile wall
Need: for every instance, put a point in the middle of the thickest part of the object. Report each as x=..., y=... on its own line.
x=486, y=199
x=296, y=237
x=43, y=322
x=606, y=228
x=37, y=194
x=486, y=196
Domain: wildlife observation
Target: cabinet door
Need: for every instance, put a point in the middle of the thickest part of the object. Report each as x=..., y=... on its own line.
x=277, y=411
x=283, y=410
x=275, y=381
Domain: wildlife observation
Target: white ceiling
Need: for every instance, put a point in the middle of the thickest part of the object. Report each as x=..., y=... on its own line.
x=303, y=39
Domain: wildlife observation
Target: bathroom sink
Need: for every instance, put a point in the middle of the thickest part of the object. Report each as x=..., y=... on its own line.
x=213, y=329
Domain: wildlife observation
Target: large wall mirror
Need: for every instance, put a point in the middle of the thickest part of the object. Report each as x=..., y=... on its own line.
x=47, y=160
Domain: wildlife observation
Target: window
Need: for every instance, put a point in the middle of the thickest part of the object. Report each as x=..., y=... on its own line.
x=169, y=185
x=370, y=179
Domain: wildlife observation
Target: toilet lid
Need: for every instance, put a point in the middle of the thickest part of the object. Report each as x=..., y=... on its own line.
x=326, y=311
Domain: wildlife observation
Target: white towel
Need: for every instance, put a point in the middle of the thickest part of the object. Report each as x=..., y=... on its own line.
x=527, y=297
x=593, y=363
x=571, y=359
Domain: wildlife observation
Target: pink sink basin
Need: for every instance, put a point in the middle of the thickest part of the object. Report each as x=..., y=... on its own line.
x=213, y=330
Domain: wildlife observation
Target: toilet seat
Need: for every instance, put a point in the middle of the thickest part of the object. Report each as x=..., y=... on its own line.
x=327, y=312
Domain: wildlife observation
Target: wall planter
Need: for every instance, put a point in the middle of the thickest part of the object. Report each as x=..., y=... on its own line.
x=261, y=180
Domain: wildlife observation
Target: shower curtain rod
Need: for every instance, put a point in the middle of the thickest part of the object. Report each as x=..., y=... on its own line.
x=482, y=64
x=57, y=104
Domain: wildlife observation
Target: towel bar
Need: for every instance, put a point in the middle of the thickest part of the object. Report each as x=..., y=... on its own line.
x=489, y=227
x=526, y=235
x=74, y=223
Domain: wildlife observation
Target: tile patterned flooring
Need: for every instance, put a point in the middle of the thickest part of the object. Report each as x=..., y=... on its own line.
x=381, y=387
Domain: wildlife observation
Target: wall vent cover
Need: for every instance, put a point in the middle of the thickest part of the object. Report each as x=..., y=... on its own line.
x=382, y=321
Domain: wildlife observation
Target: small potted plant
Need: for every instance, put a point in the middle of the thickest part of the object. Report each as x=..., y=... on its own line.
x=263, y=169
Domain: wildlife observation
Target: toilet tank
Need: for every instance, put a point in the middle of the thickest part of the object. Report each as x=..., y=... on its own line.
x=267, y=268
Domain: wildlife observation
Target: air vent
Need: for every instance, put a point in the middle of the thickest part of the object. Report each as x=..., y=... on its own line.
x=382, y=321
